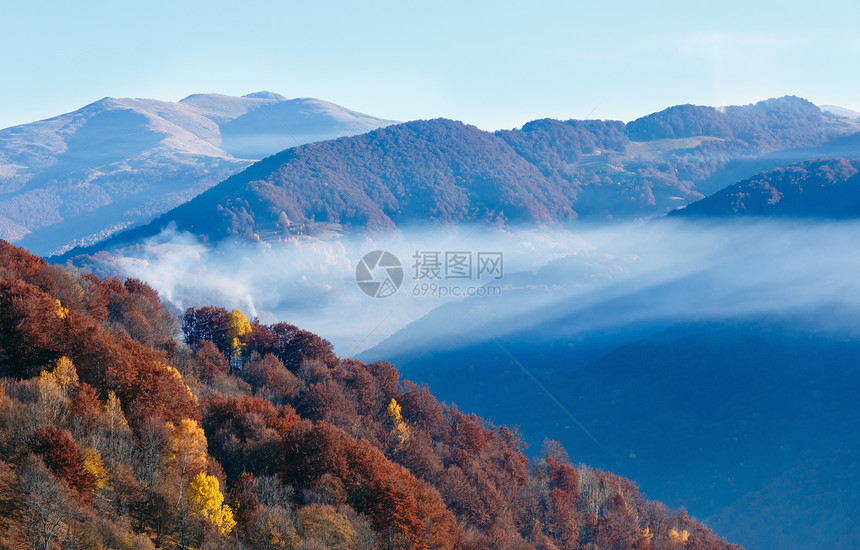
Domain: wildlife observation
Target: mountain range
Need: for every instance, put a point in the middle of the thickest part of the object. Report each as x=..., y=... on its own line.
x=82, y=176
x=719, y=375
x=549, y=171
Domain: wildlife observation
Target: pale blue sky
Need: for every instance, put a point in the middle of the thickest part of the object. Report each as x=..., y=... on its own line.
x=492, y=64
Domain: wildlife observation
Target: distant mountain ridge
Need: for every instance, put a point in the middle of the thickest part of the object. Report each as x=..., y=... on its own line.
x=838, y=111
x=78, y=177
x=819, y=188
x=771, y=124
x=549, y=171
x=715, y=380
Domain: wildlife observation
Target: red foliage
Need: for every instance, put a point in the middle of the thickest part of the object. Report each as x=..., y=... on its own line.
x=387, y=379
x=614, y=532
x=290, y=344
x=243, y=500
x=560, y=471
x=243, y=431
x=397, y=503
x=61, y=456
x=326, y=401
x=114, y=293
x=86, y=404
x=210, y=360
x=468, y=432
x=563, y=522
x=35, y=331
x=136, y=286
x=18, y=263
x=96, y=298
x=420, y=408
x=269, y=372
x=141, y=377
x=30, y=329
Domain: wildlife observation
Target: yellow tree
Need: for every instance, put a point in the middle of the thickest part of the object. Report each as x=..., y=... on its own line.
x=187, y=446
x=206, y=500
x=400, y=432
x=679, y=536
x=323, y=523
x=52, y=401
x=65, y=375
x=94, y=465
x=238, y=326
x=187, y=455
x=55, y=387
x=62, y=312
x=115, y=416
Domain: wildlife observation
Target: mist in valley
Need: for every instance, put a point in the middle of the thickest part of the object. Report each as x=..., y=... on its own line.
x=614, y=276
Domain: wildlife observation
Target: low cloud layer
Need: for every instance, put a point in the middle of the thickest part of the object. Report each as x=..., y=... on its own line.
x=612, y=276
x=663, y=273
x=311, y=282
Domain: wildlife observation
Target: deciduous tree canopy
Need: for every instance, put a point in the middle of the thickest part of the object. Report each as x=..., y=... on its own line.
x=110, y=437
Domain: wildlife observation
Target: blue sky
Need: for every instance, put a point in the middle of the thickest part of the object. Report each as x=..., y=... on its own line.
x=492, y=64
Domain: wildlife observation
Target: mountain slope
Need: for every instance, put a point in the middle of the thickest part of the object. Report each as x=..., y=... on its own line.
x=825, y=188
x=436, y=171
x=114, y=435
x=81, y=176
x=706, y=414
x=549, y=171
x=712, y=363
x=284, y=124
x=781, y=123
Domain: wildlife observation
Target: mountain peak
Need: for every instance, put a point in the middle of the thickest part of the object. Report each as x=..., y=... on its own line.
x=265, y=95
x=176, y=150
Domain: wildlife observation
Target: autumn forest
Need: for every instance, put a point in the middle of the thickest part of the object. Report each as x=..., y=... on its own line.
x=123, y=425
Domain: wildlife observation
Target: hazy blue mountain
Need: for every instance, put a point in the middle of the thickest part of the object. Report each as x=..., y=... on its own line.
x=745, y=421
x=81, y=176
x=548, y=171
x=782, y=123
x=823, y=188
x=713, y=363
x=284, y=124
x=840, y=112
x=417, y=172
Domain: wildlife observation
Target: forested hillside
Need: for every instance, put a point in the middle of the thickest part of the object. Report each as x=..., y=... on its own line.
x=117, y=432
x=820, y=188
x=444, y=172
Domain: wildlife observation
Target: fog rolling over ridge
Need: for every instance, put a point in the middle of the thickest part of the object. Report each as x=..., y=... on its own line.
x=311, y=282
x=666, y=270
x=620, y=275
x=713, y=362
